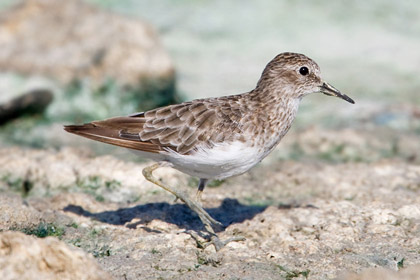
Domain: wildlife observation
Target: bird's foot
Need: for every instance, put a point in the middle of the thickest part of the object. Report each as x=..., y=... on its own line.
x=219, y=244
x=213, y=239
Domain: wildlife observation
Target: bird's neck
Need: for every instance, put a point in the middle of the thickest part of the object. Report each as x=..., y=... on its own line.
x=269, y=88
x=276, y=112
x=275, y=99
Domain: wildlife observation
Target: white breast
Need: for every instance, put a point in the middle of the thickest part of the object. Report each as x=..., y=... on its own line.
x=219, y=162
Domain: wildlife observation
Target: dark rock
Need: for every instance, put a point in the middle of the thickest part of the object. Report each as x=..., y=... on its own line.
x=33, y=102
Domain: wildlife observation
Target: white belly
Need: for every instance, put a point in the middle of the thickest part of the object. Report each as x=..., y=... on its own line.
x=221, y=161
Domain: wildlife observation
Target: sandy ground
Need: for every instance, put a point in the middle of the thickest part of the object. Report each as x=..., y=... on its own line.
x=299, y=219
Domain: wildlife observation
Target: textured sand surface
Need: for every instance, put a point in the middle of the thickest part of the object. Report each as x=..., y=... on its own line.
x=298, y=218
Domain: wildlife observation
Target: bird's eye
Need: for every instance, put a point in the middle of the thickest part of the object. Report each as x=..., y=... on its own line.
x=304, y=71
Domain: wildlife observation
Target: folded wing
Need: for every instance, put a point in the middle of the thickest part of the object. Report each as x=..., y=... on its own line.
x=180, y=127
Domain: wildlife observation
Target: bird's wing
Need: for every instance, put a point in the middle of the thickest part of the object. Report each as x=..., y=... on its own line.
x=179, y=127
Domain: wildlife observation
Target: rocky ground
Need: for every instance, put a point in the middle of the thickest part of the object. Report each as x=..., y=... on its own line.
x=300, y=219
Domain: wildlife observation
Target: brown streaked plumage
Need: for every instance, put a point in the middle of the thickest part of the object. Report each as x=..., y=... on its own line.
x=216, y=138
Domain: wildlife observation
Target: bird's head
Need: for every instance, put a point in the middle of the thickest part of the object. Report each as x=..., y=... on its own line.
x=296, y=75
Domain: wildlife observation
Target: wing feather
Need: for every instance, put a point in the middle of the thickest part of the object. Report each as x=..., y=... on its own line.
x=181, y=127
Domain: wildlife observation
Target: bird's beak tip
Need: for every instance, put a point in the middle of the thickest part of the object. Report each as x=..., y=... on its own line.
x=328, y=89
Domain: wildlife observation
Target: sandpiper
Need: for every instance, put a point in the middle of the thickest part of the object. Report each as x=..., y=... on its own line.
x=216, y=138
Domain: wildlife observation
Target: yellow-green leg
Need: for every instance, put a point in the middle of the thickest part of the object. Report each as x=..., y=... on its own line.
x=205, y=218
x=201, y=186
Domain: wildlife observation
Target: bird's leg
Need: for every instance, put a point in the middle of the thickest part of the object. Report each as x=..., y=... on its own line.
x=201, y=186
x=205, y=218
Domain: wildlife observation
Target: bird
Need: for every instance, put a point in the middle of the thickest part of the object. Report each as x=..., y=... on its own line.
x=219, y=137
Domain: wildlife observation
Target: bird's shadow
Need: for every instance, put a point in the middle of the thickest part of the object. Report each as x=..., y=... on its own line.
x=229, y=212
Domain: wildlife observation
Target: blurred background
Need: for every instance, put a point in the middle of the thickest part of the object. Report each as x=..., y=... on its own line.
x=103, y=58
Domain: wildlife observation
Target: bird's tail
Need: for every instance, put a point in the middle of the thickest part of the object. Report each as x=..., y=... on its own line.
x=120, y=131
